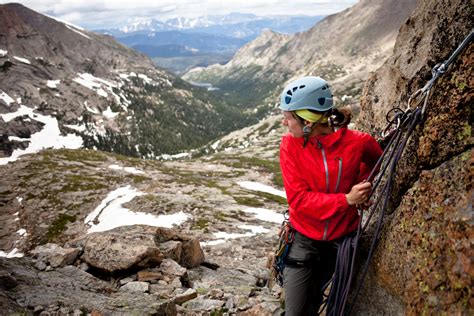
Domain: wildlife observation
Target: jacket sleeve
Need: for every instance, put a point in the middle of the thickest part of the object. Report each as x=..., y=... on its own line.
x=317, y=205
x=371, y=152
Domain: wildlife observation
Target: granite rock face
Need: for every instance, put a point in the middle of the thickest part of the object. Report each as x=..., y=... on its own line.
x=424, y=259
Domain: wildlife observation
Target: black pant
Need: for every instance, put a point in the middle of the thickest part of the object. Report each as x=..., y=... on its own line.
x=310, y=265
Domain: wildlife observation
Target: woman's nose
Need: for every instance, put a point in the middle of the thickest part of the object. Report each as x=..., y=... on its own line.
x=284, y=121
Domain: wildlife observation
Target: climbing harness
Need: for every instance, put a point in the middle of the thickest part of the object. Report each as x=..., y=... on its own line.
x=286, y=237
x=400, y=127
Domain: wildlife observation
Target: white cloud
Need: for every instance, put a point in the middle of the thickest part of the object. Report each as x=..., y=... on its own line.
x=112, y=13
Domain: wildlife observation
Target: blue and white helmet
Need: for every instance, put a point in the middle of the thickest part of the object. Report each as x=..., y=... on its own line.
x=307, y=93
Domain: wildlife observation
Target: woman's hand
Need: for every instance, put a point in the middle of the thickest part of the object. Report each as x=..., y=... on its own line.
x=359, y=193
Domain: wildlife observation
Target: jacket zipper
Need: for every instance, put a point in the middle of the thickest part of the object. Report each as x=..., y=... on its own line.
x=339, y=174
x=326, y=170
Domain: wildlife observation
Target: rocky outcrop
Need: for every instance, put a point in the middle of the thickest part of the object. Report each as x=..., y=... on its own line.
x=424, y=258
x=69, y=290
x=122, y=271
x=46, y=197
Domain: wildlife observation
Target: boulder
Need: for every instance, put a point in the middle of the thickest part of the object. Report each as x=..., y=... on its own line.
x=172, y=269
x=191, y=254
x=189, y=294
x=262, y=309
x=149, y=276
x=203, y=304
x=136, y=286
x=172, y=249
x=121, y=249
x=55, y=255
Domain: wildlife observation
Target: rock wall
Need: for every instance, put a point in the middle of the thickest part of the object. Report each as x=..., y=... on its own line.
x=424, y=259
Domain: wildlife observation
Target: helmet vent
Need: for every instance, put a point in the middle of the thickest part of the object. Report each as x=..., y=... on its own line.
x=287, y=99
x=301, y=87
x=289, y=92
x=295, y=88
x=321, y=101
x=324, y=88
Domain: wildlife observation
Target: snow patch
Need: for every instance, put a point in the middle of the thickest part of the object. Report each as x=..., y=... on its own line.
x=215, y=145
x=6, y=98
x=12, y=254
x=111, y=214
x=92, y=110
x=223, y=236
x=18, y=139
x=145, y=78
x=21, y=232
x=126, y=169
x=265, y=214
x=76, y=31
x=79, y=128
x=171, y=157
x=255, y=186
x=53, y=84
x=108, y=114
x=23, y=60
x=48, y=137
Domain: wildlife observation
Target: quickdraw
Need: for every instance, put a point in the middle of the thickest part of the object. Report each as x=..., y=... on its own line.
x=286, y=237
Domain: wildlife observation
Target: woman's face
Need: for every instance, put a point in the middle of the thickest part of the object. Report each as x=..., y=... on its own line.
x=294, y=125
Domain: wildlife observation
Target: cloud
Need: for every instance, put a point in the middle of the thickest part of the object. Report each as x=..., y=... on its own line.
x=112, y=13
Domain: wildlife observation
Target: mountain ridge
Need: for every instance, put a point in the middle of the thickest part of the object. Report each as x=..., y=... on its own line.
x=102, y=88
x=346, y=62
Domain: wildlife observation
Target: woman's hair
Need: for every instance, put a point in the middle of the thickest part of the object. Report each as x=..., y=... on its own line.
x=340, y=117
x=336, y=117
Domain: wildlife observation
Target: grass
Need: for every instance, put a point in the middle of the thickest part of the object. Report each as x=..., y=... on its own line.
x=241, y=162
x=75, y=183
x=79, y=155
x=243, y=200
x=220, y=216
x=272, y=197
x=202, y=223
x=139, y=179
x=58, y=226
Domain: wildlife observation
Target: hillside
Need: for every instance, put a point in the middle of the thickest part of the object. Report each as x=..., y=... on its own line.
x=342, y=48
x=228, y=204
x=93, y=91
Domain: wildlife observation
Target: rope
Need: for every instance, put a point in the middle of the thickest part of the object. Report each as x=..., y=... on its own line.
x=398, y=131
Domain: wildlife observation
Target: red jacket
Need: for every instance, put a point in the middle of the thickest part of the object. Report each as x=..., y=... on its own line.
x=318, y=176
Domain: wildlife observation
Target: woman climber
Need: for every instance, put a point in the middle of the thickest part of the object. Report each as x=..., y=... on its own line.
x=324, y=165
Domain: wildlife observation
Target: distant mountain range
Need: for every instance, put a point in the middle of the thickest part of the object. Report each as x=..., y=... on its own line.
x=343, y=48
x=237, y=25
x=204, y=40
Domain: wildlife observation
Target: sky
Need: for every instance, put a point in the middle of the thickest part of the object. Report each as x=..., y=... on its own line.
x=93, y=14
